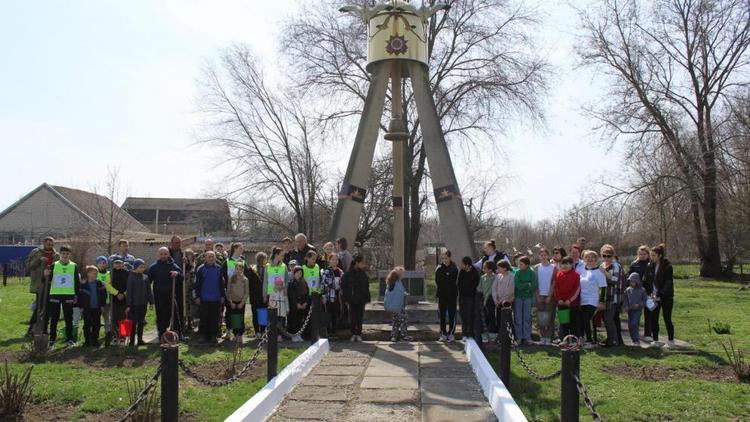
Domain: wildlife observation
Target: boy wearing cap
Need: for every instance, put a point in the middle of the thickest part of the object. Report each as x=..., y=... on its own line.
x=117, y=285
x=137, y=300
x=91, y=296
x=634, y=301
x=63, y=280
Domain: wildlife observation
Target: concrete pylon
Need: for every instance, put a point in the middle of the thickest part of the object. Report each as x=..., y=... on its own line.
x=397, y=48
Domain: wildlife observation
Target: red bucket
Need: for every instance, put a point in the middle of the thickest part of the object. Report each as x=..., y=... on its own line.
x=126, y=327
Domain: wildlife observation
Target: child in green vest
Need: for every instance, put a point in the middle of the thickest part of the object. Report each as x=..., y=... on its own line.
x=102, y=266
x=63, y=280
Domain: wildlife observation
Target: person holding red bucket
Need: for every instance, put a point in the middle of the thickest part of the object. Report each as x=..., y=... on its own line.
x=138, y=298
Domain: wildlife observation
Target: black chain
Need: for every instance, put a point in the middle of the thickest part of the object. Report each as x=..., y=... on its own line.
x=218, y=383
x=150, y=385
x=525, y=364
x=586, y=399
x=301, y=330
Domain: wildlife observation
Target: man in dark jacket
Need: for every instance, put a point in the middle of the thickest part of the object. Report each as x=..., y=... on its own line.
x=355, y=286
x=468, y=281
x=209, y=295
x=40, y=259
x=446, y=278
x=165, y=276
x=300, y=250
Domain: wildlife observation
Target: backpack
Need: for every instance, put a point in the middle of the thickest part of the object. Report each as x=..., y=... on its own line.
x=394, y=299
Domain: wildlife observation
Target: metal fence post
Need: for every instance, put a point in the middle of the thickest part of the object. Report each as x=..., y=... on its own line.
x=315, y=317
x=273, y=343
x=505, y=326
x=170, y=389
x=571, y=362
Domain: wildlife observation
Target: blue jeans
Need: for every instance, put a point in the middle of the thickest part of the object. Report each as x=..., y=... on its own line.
x=634, y=319
x=522, y=317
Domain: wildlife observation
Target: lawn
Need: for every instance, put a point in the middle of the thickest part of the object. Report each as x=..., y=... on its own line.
x=79, y=383
x=630, y=384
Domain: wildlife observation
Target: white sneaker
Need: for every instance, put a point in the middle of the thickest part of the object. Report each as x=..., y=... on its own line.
x=393, y=339
x=657, y=344
x=297, y=339
x=359, y=339
x=353, y=339
x=670, y=345
x=71, y=343
x=485, y=338
x=442, y=337
x=451, y=338
x=647, y=339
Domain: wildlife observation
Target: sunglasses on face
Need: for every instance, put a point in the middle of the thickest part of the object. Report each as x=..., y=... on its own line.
x=606, y=256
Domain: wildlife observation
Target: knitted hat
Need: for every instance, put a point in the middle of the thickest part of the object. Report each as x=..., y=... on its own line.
x=138, y=262
x=634, y=277
x=101, y=258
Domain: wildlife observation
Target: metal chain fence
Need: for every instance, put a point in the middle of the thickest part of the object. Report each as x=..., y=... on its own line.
x=301, y=330
x=218, y=383
x=524, y=364
x=586, y=399
x=150, y=385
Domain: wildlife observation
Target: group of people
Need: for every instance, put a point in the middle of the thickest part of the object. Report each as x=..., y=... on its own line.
x=208, y=291
x=579, y=289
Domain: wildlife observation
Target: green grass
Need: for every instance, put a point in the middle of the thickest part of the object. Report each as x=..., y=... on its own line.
x=94, y=381
x=683, y=397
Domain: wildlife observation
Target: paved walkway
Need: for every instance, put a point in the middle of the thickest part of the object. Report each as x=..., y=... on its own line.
x=383, y=381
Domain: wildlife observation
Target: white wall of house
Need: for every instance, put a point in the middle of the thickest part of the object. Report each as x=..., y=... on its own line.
x=41, y=214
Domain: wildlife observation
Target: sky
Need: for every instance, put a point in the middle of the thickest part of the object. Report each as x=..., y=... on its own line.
x=91, y=85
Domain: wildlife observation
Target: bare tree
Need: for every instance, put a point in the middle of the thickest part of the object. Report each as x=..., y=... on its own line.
x=672, y=65
x=265, y=132
x=482, y=69
x=110, y=221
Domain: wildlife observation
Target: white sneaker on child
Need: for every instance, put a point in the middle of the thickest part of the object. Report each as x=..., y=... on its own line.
x=359, y=339
x=353, y=339
x=451, y=338
x=442, y=337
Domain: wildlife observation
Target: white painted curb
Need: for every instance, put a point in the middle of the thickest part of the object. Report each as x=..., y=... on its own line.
x=501, y=401
x=262, y=404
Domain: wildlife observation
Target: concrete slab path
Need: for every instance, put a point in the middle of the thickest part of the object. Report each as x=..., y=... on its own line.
x=384, y=381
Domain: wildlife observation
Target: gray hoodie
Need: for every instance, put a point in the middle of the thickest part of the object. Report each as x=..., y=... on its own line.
x=634, y=296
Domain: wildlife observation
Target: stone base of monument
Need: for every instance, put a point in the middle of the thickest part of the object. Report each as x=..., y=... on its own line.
x=420, y=312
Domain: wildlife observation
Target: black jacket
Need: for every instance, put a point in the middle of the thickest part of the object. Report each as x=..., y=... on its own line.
x=298, y=293
x=640, y=267
x=119, y=280
x=355, y=286
x=663, y=280
x=161, y=282
x=468, y=281
x=446, y=279
x=256, y=288
x=84, y=295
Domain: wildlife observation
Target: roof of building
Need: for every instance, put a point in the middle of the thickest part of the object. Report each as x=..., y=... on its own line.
x=186, y=204
x=91, y=206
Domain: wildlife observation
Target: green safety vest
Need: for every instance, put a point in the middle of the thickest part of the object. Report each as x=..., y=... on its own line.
x=63, y=279
x=312, y=277
x=272, y=272
x=231, y=263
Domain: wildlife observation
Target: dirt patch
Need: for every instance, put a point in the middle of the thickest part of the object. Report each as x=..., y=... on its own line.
x=722, y=373
x=220, y=370
x=44, y=412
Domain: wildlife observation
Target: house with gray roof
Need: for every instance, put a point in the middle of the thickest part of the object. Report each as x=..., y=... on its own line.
x=182, y=216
